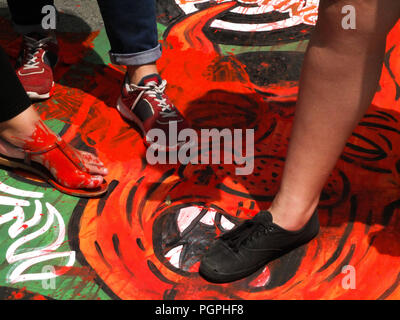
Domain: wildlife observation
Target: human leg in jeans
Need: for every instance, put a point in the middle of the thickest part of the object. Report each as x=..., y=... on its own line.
x=340, y=76
x=132, y=31
x=27, y=143
x=39, y=50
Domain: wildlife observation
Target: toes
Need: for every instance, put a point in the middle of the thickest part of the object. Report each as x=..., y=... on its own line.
x=90, y=157
x=95, y=181
x=92, y=182
x=66, y=172
x=93, y=163
x=96, y=169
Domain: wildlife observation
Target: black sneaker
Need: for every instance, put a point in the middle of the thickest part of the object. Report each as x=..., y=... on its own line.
x=250, y=246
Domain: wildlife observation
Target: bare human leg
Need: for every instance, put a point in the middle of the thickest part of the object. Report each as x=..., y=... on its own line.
x=340, y=76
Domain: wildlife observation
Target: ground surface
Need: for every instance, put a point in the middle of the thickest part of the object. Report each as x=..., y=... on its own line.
x=230, y=65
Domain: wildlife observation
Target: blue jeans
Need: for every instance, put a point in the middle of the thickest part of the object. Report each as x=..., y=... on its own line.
x=130, y=25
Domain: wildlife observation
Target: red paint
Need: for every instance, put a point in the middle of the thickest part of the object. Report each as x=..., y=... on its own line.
x=195, y=267
x=262, y=279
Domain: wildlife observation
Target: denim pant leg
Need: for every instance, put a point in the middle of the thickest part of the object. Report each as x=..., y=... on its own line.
x=132, y=31
x=27, y=15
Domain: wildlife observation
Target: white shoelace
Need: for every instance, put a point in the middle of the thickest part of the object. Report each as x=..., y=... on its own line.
x=156, y=91
x=33, y=49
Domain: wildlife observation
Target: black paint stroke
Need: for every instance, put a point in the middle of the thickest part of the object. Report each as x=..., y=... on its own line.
x=101, y=254
x=139, y=242
x=345, y=262
x=170, y=294
x=388, y=115
x=255, y=197
x=129, y=200
x=115, y=241
x=388, y=212
x=150, y=192
x=387, y=65
x=343, y=197
x=102, y=202
x=74, y=242
x=158, y=273
x=268, y=132
x=378, y=152
x=391, y=289
x=364, y=166
x=345, y=236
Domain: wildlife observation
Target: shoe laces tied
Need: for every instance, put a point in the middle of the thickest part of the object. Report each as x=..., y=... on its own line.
x=247, y=232
x=157, y=92
x=33, y=47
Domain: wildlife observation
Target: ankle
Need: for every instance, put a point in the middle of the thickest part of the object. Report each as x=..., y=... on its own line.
x=292, y=214
x=22, y=125
x=33, y=135
x=137, y=73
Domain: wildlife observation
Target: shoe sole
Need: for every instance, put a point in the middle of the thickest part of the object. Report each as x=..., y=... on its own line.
x=208, y=274
x=129, y=115
x=36, y=96
x=39, y=172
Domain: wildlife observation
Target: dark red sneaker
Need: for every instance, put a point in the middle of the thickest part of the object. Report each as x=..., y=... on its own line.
x=35, y=64
x=147, y=105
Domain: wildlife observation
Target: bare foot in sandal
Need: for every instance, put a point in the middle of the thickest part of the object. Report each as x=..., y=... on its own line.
x=28, y=139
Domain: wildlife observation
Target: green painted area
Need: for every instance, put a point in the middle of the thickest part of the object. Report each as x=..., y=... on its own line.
x=299, y=46
x=161, y=29
x=99, y=54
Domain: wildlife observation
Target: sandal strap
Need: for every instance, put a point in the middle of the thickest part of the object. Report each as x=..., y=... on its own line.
x=71, y=155
x=64, y=148
x=29, y=153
